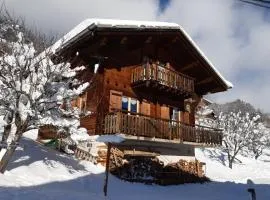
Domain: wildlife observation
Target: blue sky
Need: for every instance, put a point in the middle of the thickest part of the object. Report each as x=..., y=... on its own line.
x=163, y=4
x=233, y=35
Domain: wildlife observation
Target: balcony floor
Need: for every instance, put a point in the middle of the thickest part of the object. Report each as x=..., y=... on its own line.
x=164, y=141
x=153, y=129
x=162, y=88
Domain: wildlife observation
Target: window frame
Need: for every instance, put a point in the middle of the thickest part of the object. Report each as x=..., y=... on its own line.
x=129, y=99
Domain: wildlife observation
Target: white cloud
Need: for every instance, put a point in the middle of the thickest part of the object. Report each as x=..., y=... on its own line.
x=62, y=15
x=234, y=36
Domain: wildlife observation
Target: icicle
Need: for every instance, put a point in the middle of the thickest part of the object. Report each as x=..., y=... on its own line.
x=96, y=68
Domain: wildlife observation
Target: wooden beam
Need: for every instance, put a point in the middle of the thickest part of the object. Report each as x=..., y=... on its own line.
x=189, y=66
x=175, y=39
x=103, y=41
x=124, y=40
x=217, y=89
x=148, y=40
x=140, y=153
x=206, y=80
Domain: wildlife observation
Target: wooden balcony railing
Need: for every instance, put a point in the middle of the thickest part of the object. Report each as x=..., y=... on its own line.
x=136, y=125
x=163, y=76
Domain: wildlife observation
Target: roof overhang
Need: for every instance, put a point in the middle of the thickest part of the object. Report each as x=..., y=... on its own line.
x=89, y=27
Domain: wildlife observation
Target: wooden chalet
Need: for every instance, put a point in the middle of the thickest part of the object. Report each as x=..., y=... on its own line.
x=146, y=79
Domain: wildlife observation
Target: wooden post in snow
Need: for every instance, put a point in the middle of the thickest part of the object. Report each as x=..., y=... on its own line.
x=107, y=168
x=252, y=193
x=251, y=189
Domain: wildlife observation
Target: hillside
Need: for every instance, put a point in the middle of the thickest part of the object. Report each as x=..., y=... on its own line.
x=37, y=172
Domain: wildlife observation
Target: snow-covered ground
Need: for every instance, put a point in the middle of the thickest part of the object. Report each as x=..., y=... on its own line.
x=37, y=172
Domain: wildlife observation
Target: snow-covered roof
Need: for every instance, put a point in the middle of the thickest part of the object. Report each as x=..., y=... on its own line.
x=90, y=24
x=207, y=100
x=205, y=112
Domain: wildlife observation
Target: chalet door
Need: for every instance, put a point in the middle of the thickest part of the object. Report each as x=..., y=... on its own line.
x=186, y=117
x=181, y=116
x=115, y=100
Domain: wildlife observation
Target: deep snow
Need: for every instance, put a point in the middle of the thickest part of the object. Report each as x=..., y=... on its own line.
x=37, y=172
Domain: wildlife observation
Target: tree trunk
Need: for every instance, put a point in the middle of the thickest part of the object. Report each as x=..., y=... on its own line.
x=230, y=159
x=8, y=151
x=6, y=157
x=257, y=156
x=6, y=133
x=12, y=118
x=230, y=163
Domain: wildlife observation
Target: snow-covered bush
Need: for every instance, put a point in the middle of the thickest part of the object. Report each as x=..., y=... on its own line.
x=35, y=91
x=244, y=128
x=240, y=131
x=259, y=141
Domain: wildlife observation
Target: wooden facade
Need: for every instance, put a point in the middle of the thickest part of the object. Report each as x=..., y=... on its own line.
x=131, y=101
x=143, y=82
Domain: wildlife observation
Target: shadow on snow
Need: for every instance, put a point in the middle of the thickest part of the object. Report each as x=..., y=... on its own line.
x=90, y=186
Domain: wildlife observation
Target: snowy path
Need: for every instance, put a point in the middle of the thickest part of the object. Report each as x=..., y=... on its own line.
x=41, y=173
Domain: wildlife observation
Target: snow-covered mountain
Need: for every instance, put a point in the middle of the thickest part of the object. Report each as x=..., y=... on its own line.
x=37, y=172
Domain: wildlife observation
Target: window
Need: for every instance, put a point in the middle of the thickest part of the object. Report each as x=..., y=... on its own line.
x=119, y=102
x=125, y=103
x=175, y=114
x=133, y=105
x=129, y=104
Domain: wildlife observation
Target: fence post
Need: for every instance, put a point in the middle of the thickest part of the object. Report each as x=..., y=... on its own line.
x=118, y=122
x=105, y=189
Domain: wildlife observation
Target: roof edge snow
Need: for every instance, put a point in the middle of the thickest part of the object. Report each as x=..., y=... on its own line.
x=89, y=24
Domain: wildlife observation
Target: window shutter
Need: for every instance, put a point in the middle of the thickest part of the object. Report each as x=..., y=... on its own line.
x=186, y=118
x=165, y=112
x=115, y=100
x=145, y=108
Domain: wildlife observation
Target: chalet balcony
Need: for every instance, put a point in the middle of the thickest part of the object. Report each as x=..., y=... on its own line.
x=144, y=126
x=163, y=79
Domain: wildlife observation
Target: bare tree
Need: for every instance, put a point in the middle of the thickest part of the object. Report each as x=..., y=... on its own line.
x=34, y=91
